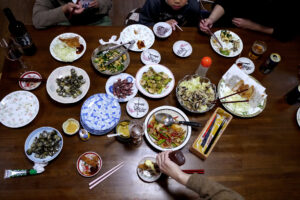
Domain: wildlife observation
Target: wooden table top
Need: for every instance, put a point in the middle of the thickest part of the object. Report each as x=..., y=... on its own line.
x=258, y=157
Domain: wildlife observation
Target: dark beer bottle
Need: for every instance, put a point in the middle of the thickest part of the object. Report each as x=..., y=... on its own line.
x=18, y=31
x=293, y=96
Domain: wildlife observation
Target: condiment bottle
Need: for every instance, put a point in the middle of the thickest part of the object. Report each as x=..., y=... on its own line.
x=19, y=33
x=204, y=66
x=293, y=96
x=84, y=135
x=177, y=157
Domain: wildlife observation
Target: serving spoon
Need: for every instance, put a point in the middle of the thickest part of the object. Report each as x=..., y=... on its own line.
x=168, y=120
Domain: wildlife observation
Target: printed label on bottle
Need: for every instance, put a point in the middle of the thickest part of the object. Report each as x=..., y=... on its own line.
x=24, y=40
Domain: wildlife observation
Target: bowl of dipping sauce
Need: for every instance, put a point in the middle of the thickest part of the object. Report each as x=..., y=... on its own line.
x=123, y=129
x=71, y=126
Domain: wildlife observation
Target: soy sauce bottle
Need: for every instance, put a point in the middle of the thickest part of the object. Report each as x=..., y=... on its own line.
x=18, y=31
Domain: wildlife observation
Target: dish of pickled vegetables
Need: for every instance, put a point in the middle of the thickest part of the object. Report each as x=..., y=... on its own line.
x=101, y=56
x=231, y=42
x=155, y=80
x=164, y=137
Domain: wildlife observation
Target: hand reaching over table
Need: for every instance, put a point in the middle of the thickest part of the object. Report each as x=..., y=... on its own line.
x=72, y=8
x=206, y=24
x=173, y=23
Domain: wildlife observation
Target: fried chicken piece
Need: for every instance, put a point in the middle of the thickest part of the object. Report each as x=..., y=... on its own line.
x=92, y=162
x=72, y=42
x=248, y=94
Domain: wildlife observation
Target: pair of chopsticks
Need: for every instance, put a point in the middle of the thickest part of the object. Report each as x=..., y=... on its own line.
x=241, y=91
x=215, y=37
x=215, y=136
x=101, y=178
x=192, y=171
x=35, y=80
x=178, y=27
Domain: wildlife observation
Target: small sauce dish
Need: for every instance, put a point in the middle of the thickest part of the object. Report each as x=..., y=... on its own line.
x=71, y=126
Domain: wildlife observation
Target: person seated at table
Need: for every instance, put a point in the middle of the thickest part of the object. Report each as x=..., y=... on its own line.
x=267, y=16
x=206, y=188
x=64, y=12
x=181, y=12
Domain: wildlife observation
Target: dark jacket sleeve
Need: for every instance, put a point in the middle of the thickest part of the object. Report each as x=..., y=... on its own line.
x=150, y=12
x=208, y=189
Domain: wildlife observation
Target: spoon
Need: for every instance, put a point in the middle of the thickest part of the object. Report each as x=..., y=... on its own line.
x=168, y=120
x=113, y=135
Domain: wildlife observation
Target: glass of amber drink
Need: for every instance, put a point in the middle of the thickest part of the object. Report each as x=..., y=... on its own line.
x=257, y=49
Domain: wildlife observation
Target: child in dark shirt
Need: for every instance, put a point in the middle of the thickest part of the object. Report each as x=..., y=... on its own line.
x=181, y=12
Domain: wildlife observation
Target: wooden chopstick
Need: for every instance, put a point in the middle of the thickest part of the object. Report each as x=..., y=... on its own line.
x=241, y=91
x=192, y=171
x=105, y=175
x=178, y=27
x=31, y=79
x=234, y=101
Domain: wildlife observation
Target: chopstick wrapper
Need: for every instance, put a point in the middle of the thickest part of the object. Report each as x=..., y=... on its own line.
x=235, y=74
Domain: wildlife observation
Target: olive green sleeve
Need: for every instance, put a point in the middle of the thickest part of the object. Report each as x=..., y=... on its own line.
x=208, y=189
x=46, y=14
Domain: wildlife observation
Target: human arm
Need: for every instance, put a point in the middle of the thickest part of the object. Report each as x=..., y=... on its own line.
x=46, y=14
x=248, y=24
x=196, y=182
x=217, y=13
x=103, y=5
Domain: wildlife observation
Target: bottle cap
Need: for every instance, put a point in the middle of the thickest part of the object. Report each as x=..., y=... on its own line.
x=206, y=61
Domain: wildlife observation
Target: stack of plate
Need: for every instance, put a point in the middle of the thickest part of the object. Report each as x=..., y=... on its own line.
x=100, y=113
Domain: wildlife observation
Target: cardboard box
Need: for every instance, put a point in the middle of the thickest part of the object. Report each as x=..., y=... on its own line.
x=211, y=133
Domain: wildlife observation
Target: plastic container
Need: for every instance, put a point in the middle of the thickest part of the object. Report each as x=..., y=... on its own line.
x=204, y=66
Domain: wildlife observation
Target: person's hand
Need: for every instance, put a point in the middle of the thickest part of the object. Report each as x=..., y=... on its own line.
x=205, y=25
x=244, y=23
x=94, y=4
x=170, y=168
x=172, y=23
x=72, y=8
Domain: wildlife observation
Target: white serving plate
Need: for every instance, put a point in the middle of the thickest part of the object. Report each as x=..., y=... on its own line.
x=61, y=72
x=57, y=41
x=175, y=112
x=138, y=32
x=18, y=109
x=228, y=45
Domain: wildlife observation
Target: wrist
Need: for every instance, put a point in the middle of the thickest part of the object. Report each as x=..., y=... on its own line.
x=183, y=178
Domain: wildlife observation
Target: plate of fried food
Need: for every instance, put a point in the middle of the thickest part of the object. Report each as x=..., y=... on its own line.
x=235, y=80
x=68, y=84
x=67, y=47
x=148, y=170
x=162, y=137
x=231, y=42
x=101, y=56
x=89, y=164
x=143, y=36
x=155, y=81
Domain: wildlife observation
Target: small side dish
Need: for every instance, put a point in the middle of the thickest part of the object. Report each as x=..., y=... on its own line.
x=162, y=29
x=154, y=82
x=71, y=126
x=148, y=170
x=69, y=86
x=196, y=93
x=89, y=164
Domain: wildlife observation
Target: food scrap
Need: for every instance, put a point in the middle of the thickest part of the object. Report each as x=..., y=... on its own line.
x=162, y=30
x=149, y=168
x=89, y=164
x=141, y=44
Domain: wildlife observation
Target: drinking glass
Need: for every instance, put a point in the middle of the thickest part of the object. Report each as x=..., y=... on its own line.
x=257, y=49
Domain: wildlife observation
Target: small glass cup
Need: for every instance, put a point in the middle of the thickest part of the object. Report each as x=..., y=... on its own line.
x=257, y=49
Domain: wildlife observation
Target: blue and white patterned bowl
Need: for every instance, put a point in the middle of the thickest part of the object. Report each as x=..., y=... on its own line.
x=100, y=113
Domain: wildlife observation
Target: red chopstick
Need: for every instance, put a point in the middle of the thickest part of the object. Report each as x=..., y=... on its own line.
x=192, y=171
